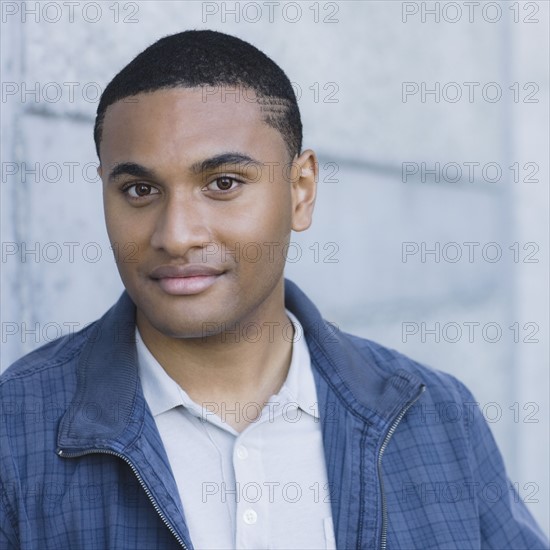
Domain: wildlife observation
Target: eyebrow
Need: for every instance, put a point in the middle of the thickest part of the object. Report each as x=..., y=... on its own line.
x=131, y=169
x=217, y=161
x=206, y=165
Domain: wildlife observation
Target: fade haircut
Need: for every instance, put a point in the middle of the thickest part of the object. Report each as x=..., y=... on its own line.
x=195, y=58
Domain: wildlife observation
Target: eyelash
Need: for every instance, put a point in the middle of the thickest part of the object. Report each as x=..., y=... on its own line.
x=126, y=188
x=224, y=191
x=129, y=186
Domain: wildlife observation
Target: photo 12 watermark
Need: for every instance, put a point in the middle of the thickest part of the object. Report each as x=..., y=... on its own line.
x=470, y=12
x=452, y=332
x=430, y=492
x=452, y=412
x=270, y=12
x=253, y=492
x=468, y=92
x=469, y=172
x=70, y=12
x=453, y=252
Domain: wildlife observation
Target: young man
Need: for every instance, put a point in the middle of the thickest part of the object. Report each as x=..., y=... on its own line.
x=161, y=426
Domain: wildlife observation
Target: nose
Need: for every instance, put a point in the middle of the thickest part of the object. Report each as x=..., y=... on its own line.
x=182, y=225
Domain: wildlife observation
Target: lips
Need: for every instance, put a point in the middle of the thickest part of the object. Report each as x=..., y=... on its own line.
x=190, y=270
x=183, y=280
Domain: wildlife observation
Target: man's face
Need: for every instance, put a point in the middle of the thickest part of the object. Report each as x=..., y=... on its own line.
x=199, y=232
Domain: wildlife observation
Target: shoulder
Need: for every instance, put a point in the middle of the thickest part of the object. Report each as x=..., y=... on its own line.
x=440, y=385
x=48, y=360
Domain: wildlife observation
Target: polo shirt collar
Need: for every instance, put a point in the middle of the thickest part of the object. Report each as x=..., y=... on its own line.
x=299, y=382
x=162, y=393
x=160, y=390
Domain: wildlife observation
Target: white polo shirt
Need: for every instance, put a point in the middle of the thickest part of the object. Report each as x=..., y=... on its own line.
x=265, y=487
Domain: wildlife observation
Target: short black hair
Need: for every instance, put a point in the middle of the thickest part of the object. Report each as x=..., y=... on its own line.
x=198, y=58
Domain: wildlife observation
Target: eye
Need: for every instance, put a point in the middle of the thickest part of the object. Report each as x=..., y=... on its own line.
x=223, y=184
x=139, y=190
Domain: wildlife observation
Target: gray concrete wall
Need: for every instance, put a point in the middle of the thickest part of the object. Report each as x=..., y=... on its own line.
x=360, y=69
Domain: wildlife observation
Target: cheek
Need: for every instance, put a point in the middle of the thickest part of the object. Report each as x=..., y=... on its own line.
x=110, y=210
x=264, y=208
x=260, y=238
x=277, y=216
x=268, y=225
x=117, y=228
x=122, y=223
x=272, y=212
x=127, y=237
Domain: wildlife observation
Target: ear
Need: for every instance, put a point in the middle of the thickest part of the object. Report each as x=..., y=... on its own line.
x=99, y=171
x=304, y=189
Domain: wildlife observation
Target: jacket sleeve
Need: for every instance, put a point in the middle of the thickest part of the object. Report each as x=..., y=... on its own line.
x=8, y=538
x=505, y=521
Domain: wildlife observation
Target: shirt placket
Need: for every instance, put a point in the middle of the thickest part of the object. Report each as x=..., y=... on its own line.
x=254, y=491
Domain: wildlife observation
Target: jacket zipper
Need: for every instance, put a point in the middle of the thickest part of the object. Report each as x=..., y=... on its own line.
x=384, y=534
x=62, y=453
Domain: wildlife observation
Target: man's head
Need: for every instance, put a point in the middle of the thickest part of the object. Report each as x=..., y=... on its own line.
x=199, y=146
x=214, y=61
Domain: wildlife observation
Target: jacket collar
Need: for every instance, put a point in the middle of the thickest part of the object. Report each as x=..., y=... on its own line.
x=108, y=407
x=105, y=411
x=376, y=388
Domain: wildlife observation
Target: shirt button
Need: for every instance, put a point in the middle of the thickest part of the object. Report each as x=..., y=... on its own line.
x=242, y=452
x=250, y=516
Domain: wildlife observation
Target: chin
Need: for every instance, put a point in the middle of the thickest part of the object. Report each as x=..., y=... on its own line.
x=181, y=331
x=185, y=318
x=189, y=327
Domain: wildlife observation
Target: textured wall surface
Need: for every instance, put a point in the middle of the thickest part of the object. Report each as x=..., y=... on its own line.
x=389, y=91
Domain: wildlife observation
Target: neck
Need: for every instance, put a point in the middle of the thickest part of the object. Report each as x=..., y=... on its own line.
x=229, y=370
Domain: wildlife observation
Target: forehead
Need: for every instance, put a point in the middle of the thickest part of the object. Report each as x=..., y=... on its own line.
x=187, y=123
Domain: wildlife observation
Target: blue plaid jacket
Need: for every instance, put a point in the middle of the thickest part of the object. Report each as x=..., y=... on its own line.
x=410, y=460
